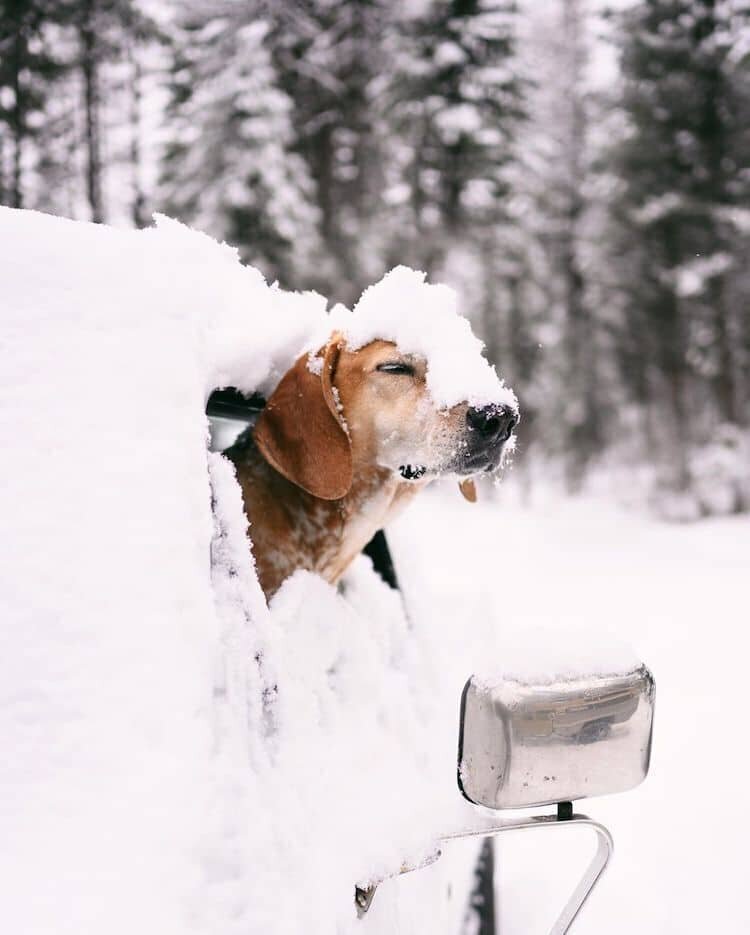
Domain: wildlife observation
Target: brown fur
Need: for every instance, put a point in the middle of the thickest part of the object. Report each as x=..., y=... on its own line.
x=313, y=490
x=318, y=474
x=292, y=529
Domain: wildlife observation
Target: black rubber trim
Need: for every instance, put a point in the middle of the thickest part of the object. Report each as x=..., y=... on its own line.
x=229, y=403
x=462, y=712
x=382, y=560
x=483, y=894
x=564, y=811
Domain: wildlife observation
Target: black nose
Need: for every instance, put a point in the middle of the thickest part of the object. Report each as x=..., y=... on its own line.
x=494, y=423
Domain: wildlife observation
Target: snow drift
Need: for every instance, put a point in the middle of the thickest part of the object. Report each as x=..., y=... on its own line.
x=180, y=758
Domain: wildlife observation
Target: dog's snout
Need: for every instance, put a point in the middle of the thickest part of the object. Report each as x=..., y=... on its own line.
x=492, y=422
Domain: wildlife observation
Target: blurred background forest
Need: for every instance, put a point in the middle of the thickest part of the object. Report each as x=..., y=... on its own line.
x=580, y=173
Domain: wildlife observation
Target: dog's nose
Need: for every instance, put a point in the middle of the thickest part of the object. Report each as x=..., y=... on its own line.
x=493, y=423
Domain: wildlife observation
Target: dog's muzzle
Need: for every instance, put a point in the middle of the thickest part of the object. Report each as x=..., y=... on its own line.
x=488, y=428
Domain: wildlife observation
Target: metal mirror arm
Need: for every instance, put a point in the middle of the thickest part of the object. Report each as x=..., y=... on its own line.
x=564, y=818
x=604, y=850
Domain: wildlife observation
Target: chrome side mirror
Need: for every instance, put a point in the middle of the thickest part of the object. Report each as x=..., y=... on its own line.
x=523, y=744
x=526, y=743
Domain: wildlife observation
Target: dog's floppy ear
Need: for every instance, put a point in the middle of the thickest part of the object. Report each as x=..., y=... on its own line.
x=301, y=432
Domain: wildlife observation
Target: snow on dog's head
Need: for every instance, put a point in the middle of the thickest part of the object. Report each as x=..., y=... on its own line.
x=411, y=379
x=422, y=318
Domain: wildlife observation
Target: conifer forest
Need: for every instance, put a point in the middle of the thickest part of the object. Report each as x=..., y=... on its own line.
x=579, y=170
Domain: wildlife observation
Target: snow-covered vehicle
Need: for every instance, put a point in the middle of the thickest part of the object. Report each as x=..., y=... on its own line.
x=523, y=741
x=181, y=757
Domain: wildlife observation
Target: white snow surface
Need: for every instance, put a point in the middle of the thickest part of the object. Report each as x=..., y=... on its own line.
x=676, y=592
x=423, y=319
x=565, y=649
x=179, y=758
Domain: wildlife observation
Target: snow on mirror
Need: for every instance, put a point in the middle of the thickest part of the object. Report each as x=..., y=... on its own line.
x=525, y=743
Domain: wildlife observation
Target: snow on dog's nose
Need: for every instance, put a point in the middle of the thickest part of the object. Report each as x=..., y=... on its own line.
x=492, y=423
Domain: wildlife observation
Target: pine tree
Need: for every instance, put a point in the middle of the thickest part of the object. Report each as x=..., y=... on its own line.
x=109, y=33
x=28, y=70
x=455, y=102
x=554, y=179
x=330, y=59
x=228, y=168
x=61, y=73
x=684, y=170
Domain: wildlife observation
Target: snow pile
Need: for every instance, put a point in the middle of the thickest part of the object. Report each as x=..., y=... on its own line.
x=129, y=699
x=250, y=333
x=328, y=749
x=719, y=474
x=422, y=318
x=178, y=758
x=348, y=768
x=569, y=650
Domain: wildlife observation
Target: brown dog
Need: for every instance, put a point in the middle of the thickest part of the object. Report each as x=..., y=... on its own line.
x=345, y=441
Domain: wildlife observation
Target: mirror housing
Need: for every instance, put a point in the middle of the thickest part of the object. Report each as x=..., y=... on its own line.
x=530, y=744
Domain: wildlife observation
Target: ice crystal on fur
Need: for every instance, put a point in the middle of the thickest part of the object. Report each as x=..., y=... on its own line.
x=315, y=364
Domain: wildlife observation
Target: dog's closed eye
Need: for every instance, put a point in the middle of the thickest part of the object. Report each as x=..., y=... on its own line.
x=397, y=367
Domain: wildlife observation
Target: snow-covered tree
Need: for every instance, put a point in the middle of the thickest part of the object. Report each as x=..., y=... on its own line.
x=558, y=224
x=110, y=35
x=684, y=171
x=29, y=68
x=331, y=60
x=228, y=167
x=454, y=102
x=64, y=66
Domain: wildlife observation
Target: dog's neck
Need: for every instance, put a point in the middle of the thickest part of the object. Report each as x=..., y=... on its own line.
x=291, y=529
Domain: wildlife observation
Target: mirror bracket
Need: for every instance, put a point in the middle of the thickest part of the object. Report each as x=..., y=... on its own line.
x=565, y=817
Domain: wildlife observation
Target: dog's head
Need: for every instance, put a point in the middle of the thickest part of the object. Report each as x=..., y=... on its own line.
x=341, y=410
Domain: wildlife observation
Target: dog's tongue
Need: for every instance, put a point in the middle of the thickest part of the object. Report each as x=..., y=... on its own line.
x=468, y=489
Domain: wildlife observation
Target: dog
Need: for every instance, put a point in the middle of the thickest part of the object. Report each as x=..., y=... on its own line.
x=345, y=441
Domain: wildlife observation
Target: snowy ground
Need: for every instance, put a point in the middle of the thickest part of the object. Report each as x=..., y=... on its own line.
x=679, y=594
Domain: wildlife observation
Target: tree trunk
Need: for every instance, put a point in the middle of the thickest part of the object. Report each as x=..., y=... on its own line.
x=138, y=209
x=322, y=161
x=713, y=134
x=679, y=454
x=92, y=104
x=582, y=429
x=724, y=382
x=674, y=367
x=18, y=123
x=16, y=191
x=428, y=253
